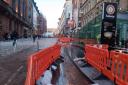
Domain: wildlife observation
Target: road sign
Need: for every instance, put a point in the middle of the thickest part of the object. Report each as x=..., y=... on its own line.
x=109, y=11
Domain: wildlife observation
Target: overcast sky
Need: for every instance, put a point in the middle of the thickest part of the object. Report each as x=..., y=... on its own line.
x=52, y=9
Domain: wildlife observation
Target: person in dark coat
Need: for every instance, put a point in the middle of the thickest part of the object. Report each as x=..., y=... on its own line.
x=14, y=37
x=34, y=37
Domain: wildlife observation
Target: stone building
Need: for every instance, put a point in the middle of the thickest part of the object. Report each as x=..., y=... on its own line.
x=42, y=27
x=65, y=17
x=15, y=15
x=90, y=16
x=89, y=9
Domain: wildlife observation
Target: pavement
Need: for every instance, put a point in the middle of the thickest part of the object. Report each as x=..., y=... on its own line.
x=6, y=47
x=13, y=64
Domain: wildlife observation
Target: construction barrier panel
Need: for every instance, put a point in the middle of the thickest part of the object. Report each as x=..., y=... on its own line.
x=112, y=64
x=39, y=62
x=65, y=40
x=120, y=67
x=85, y=41
x=93, y=55
x=107, y=63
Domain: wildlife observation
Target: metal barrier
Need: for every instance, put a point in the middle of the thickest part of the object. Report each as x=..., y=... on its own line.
x=112, y=64
x=39, y=62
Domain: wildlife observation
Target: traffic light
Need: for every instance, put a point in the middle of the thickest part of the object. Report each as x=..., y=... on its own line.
x=108, y=30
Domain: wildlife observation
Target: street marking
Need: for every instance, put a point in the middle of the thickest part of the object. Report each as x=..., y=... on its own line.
x=13, y=75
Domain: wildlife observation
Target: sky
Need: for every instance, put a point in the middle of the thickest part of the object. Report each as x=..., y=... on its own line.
x=52, y=10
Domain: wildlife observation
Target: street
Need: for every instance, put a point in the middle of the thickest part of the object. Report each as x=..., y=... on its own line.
x=69, y=73
x=13, y=63
x=87, y=40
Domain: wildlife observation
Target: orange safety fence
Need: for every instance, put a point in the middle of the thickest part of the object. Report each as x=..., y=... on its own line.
x=112, y=64
x=85, y=41
x=120, y=67
x=93, y=55
x=39, y=62
x=65, y=40
x=68, y=40
x=107, y=64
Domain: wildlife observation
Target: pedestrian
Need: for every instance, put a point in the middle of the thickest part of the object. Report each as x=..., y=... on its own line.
x=14, y=37
x=34, y=37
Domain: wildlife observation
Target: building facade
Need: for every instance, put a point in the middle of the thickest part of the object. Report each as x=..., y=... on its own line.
x=42, y=27
x=35, y=19
x=90, y=16
x=65, y=17
x=20, y=16
x=16, y=15
x=89, y=9
x=75, y=12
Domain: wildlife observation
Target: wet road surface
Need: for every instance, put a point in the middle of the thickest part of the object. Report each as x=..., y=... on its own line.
x=13, y=67
x=69, y=74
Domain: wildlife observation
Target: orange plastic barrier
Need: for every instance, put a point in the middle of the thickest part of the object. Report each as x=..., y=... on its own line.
x=112, y=64
x=107, y=64
x=39, y=62
x=65, y=40
x=68, y=40
x=120, y=67
x=93, y=55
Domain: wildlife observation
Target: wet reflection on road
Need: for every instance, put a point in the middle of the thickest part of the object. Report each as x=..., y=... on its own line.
x=62, y=79
x=69, y=74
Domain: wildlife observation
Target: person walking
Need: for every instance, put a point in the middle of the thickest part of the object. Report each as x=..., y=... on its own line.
x=14, y=37
x=34, y=37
